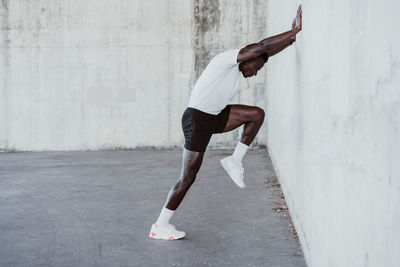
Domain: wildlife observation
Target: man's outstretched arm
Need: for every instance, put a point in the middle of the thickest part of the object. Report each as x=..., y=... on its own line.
x=284, y=44
x=274, y=44
x=277, y=49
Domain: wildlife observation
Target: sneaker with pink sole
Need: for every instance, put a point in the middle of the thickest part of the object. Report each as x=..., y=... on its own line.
x=167, y=232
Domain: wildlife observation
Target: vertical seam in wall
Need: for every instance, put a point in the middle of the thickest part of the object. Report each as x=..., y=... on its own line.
x=197, y=39
x=169, y=74
x=35, y=137
x=266, y=87
x=6, y=70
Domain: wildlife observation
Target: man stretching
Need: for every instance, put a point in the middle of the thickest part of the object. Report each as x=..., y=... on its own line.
x=208, y=113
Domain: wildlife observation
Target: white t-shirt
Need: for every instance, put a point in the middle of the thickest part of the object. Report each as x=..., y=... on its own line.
x=218, y=83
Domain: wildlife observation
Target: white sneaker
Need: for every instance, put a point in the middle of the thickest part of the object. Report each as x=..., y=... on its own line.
x=165, y=232
x=234, y=169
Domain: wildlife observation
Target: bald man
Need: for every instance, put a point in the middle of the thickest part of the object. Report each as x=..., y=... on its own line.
x=208, y=113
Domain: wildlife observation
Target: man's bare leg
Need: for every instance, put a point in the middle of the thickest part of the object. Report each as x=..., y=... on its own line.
x=252, y=117
x=162, y=229
x=191, y=163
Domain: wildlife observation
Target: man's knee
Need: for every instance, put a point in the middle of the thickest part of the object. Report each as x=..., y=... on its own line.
x=259, y=114
x=189, y=178
x=190, y=174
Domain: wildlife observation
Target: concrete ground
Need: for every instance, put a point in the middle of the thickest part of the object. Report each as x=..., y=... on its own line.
x=96, y=209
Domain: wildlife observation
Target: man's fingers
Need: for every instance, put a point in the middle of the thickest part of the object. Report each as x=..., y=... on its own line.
x=297, y=20
x=300, y=12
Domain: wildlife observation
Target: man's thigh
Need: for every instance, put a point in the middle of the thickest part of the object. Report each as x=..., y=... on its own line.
x=240, y=114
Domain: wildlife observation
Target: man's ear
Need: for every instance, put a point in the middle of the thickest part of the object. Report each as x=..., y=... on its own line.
x=240, y=66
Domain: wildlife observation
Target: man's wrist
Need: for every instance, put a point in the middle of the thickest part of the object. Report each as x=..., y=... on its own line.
x=292, y=39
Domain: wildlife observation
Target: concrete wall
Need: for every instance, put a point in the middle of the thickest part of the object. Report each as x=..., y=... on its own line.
x=107, y=74
x=333, y=129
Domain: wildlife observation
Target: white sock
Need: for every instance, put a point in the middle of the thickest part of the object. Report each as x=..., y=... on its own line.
x=239, y=152
x=164, y=217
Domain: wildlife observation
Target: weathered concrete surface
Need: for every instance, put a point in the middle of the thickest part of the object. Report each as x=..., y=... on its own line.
x=96, y=209
x=333, y=129
x=93, y=74
x=102, y=74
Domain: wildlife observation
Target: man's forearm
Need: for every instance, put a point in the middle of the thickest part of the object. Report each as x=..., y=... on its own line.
x=283, y=45
x=275, y=43
x=271, y=45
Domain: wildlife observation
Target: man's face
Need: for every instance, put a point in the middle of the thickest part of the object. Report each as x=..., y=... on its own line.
x=251, y=67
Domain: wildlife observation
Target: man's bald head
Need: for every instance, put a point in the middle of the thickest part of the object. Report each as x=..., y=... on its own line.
x=250, y=68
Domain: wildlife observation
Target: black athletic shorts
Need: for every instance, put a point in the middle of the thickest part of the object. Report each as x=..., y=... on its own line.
x=199, y=126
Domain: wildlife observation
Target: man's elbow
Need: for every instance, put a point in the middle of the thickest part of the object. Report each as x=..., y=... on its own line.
x=265, y=56
x=264, y=46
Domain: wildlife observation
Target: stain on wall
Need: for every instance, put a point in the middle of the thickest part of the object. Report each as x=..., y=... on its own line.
x=206, y=19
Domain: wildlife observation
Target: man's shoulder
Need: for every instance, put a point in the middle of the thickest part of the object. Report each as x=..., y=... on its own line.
x=229, y=52
x=228, y=57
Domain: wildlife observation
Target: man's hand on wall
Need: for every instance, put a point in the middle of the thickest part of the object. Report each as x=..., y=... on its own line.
x=293, y=28
x=298, y=20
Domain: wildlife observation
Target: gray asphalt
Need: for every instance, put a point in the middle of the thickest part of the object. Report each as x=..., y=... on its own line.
x=95, y=208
